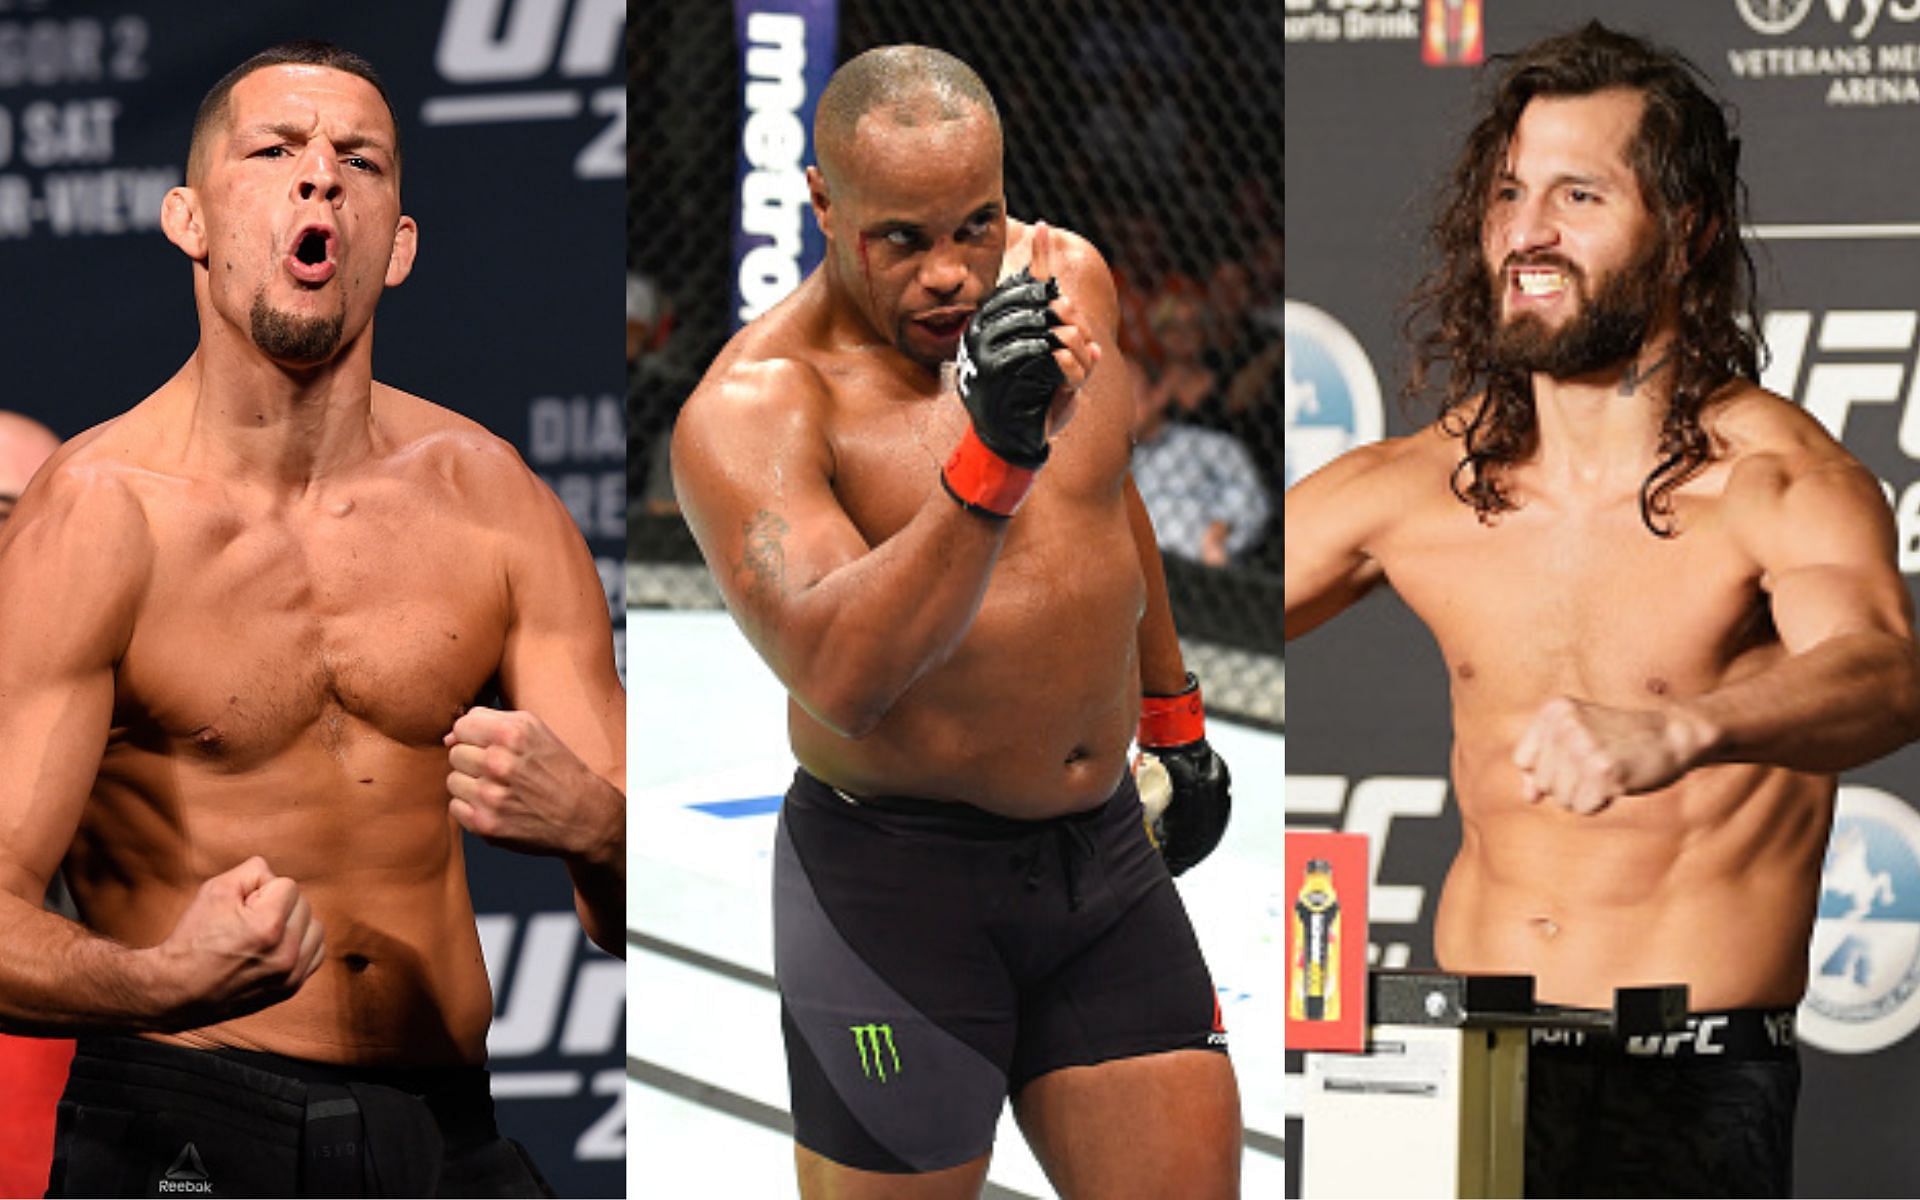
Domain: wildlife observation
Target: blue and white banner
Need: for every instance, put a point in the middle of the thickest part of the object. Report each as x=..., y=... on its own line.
x=786, y=58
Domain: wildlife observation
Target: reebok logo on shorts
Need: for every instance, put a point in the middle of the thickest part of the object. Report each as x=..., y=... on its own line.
x=187, y=1175
x=871, y=1041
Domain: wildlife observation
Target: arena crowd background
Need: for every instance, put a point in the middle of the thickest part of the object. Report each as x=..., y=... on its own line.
x=1828, y=94
x=514, y=144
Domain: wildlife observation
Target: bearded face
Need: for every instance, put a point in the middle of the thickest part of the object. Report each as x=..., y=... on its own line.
x=1577, y=259
x=1610, y=316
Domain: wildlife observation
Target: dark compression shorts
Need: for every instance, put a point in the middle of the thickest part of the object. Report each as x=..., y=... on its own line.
x=933, y=957
x=1707, y=1111
x=142, y=1118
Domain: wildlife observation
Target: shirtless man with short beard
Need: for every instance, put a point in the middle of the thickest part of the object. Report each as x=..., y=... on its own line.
x=963, y=598
x=241, y=627
x=1667, y=601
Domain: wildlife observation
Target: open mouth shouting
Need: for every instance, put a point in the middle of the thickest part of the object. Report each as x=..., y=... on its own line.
x=310, y=259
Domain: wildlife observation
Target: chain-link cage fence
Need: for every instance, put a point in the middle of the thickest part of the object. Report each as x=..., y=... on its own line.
x=1154, y=130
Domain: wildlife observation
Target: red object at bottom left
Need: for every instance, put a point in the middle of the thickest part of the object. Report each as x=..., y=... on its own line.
x=35, y=1071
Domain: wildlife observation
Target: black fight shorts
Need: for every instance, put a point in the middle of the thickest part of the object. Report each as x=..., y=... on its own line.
x=143, y=1118
x=933, y=958
x=1705, y=1112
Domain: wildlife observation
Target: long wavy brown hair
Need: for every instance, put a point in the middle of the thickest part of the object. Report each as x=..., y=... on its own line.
x=1686, y=161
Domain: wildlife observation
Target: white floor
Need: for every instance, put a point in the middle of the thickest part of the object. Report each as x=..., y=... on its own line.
x=707, y=1080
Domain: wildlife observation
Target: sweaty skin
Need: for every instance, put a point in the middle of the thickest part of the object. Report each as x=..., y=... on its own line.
x=1030, y=715
x=927, y=650
x=1646, y=729
x=238, y=625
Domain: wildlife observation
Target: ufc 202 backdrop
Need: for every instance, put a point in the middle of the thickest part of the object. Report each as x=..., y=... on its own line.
x=1828, y=97
x=513, y=120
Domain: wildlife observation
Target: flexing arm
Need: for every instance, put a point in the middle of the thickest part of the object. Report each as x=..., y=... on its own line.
x=547, y=778
x=846, y=626
x=1849, y=689
x=1328, y=517
x=72, y=562
x=1846, y=691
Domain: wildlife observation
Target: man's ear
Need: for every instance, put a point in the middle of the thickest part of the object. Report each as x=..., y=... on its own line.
x=406, y=243
x=821, y=200
x=180, y=220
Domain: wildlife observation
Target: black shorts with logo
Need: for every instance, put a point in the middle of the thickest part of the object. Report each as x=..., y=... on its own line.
x=1707, y=1112
x=141, y=1118
x=933, y=958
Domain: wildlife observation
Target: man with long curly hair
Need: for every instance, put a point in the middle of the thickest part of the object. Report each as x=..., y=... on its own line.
x=1667, y=602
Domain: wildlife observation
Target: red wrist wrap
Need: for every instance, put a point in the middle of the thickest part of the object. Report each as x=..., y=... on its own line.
x=1173, y=720
x=982, y=481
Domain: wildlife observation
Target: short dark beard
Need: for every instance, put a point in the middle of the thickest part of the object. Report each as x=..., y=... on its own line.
x=304, y=341
x=1608, y=329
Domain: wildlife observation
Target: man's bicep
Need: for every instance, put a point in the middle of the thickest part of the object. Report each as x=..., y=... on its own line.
x=1827, y=559
x=1326, y=520
x=558, y=661
x=756, y=493
x=67, y=586
x=52, y=735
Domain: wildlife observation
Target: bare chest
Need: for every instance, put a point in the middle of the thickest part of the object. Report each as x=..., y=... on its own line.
x=888, y=454
x=1590, y=604
x=257, y=630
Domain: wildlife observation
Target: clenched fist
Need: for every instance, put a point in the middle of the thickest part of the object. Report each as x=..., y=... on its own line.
x=249, y=939
x=1584, y=756
x=517, y=785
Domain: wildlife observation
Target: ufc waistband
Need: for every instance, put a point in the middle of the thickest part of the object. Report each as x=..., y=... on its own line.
x=1727, y=1036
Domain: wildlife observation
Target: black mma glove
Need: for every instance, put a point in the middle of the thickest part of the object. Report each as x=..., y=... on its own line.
x=1184, y=785
x=1007, y=379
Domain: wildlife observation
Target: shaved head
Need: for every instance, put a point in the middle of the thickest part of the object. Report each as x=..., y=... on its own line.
x=909, y=85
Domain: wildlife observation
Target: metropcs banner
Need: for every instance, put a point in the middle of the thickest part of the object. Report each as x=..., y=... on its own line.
x=786, y=57
x=1828, y=100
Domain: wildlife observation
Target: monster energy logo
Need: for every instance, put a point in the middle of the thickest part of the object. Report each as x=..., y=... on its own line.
x=869, y=1040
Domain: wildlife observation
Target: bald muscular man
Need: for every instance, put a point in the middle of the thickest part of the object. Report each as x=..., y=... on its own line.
x=1666, y=598
x=241, y=629
x=959, y=588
